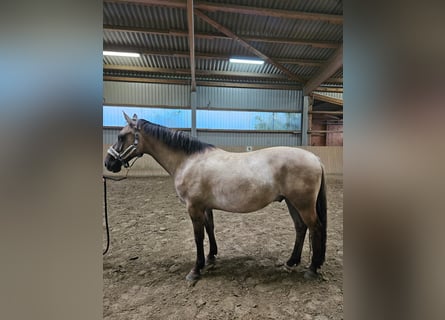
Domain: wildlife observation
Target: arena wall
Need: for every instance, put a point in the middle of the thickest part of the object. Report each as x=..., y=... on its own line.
x=332, y=158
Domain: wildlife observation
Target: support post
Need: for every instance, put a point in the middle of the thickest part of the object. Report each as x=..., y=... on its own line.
x=309, y=127
x=193, y=103
x=304, y=121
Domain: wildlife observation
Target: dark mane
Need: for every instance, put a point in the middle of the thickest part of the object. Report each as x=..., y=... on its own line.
x=175, y=139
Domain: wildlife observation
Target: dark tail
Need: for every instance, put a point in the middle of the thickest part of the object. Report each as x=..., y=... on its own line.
x=322, y=215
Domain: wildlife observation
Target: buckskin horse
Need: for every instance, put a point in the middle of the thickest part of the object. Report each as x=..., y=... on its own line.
x=206, y=178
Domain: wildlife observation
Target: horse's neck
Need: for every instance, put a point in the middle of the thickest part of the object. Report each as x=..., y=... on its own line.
x=169, y=159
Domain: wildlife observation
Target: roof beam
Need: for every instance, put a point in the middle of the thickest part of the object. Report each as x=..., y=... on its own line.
x=202, y=55
x=300, y=62
x=160, y=3
x=210, y=36
x=321, y=97
x=246, y=45
x=231, y=8
x=329, y=89
x=146, y=80
x=248, y=85
x=334, y=63
x=146, y=69
x=335, y=80
x=268, y=12
x=191, y=27
x=297, y=42
x=177, y=71
x=198, y=72
x=205, y=83
x=241, y=74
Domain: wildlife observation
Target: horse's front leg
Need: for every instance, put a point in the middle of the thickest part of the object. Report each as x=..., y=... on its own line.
x=212, y=241
x=197, y=217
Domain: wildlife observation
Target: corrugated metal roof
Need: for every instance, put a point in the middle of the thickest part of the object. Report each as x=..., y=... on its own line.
x=290, y=51
x=222, y=46
x=249, y=25
x=128, y=14
x=146, y=41
x=170, y=51
x=318, y=6
x=304, y=71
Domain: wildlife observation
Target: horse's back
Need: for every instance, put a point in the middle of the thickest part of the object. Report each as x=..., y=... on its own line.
x=295, y=156
x=261, y=165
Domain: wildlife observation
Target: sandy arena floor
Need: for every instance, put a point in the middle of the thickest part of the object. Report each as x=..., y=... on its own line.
x=152, y=249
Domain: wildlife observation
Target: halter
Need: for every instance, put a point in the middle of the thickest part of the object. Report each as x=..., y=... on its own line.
x=124, y=155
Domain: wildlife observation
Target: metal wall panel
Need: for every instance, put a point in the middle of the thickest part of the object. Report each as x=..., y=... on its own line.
x=146, y=94
x=109, y=136
x=255, y=99
x=226, y=139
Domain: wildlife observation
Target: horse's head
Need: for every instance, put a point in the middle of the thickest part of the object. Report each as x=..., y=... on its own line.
x=126, y=148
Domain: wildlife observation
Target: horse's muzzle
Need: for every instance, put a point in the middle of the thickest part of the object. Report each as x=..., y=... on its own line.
x=112, y=164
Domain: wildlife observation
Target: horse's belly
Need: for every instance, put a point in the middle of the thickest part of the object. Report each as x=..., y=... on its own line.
x=237, y=200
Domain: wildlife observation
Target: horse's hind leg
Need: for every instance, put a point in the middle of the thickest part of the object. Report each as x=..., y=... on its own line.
x=300, y=229
x=208, y=222
x=310, y=218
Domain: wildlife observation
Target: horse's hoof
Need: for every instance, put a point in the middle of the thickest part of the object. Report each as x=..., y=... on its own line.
x=290, y=268
x=208, y=267
x=310, y=275
x=193, y=276
x=210, y=260
x=210, y=264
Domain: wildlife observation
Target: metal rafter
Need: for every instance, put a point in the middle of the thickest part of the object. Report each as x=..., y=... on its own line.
x=177, y=71
x=204, y=83
x=334, y=63
x=197, y=72
x=268, y=12
x=328, y=99
x=326, y=71
x=246, y=45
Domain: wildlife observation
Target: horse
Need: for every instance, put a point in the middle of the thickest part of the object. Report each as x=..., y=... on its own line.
x=207, y=178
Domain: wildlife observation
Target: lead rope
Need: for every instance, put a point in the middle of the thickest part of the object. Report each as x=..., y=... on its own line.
x=106, y=215
x=104, y=178
x=106, y=207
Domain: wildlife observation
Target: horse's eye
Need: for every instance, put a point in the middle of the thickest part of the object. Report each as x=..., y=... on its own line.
x=120, y=138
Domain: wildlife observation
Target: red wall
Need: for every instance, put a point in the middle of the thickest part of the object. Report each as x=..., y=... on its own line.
x=334, y=138
x=326, y=139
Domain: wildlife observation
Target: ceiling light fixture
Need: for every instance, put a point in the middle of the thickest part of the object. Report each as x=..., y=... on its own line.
x=246, y=60
x=121, y=54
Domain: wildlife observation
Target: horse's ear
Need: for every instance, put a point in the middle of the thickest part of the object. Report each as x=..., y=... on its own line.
x=135, y=117
x=131, y=122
